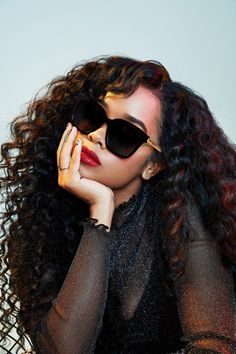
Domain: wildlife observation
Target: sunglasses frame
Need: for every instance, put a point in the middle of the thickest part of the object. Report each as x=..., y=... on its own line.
x=146, y=138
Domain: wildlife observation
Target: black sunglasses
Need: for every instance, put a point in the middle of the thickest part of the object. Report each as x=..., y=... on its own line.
x=122, y=137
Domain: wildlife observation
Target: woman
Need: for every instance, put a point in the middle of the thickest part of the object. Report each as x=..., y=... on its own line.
x=122, y=222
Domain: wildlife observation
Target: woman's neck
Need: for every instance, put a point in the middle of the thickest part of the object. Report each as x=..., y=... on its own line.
x=123, y=194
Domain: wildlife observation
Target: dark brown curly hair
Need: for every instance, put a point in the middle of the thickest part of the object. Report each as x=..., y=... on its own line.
x=41, y=221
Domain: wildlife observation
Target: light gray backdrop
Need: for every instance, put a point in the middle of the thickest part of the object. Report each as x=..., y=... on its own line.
x=194, y=39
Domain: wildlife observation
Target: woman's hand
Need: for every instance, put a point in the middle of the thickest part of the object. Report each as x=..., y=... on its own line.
x=99, y=197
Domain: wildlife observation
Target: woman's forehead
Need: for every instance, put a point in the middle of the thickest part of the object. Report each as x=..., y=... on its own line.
x=142, y=101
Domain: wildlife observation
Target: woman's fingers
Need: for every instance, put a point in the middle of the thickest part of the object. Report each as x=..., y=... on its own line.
x=63, y=141
x=75, y=159
x=65, y=150
x=66, y=131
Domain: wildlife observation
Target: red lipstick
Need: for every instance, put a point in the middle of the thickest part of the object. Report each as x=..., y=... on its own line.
x=89, y=157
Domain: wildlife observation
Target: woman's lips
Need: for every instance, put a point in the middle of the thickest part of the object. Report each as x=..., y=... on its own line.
x=89, y=157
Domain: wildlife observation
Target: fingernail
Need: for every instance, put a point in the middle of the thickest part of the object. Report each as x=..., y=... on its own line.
x=77, y=142
x=68, y=125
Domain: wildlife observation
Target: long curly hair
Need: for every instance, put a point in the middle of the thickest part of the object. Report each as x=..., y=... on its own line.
x=41, y=221
x=201, y=160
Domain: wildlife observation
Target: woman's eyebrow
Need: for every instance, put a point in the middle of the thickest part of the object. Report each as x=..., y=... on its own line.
x=134, y=120
x=128, y=117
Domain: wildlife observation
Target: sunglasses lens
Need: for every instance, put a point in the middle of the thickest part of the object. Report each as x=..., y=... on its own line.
x=123, y=138
x=88, y=116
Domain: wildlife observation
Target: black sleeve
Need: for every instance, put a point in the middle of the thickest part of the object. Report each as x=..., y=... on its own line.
x=205, y=293
x=73, y=322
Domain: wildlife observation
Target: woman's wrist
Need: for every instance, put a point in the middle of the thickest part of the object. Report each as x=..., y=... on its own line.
x=103, y=211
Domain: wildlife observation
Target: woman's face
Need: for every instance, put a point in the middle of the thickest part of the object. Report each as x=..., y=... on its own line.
x=123, y=175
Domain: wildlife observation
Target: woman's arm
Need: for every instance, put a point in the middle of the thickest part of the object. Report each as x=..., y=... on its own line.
x=75, y=318
x=205, y=293
x=73, y=322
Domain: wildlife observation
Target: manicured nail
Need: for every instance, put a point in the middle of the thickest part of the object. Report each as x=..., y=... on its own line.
x=68, y=125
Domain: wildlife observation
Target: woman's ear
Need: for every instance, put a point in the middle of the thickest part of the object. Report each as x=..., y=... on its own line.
x=151, y=169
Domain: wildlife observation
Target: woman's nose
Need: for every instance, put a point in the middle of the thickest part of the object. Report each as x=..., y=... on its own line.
x=98, y=136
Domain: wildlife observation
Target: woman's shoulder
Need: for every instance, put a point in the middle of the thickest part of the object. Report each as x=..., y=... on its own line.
x=194, y=220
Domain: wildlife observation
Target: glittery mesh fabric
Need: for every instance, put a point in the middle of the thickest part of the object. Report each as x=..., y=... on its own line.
x=115, y=291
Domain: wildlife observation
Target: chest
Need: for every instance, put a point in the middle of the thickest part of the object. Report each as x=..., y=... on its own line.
x=137, y=273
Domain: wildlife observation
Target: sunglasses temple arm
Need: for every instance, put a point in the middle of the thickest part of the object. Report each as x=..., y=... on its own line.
x=150, y=142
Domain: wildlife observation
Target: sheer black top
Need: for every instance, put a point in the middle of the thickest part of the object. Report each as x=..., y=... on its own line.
x=115, y=291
